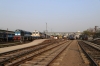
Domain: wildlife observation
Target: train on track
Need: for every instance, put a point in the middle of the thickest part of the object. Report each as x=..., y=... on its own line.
x=21, y=35
x=6, y=36
x=39, y=35
x=71, y=37
x=83, y=37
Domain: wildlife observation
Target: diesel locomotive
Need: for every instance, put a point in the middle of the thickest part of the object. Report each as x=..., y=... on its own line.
x=21, y=35
x=38, y=35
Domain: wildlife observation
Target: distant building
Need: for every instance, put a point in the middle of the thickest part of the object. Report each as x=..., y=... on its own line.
x=64, y=33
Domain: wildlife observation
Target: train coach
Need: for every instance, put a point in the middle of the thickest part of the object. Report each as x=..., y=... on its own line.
x=6, y=36
x=38, y=35
x=21, y=35
x=83, y=37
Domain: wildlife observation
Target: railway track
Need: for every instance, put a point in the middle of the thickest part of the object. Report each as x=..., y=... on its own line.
x=45, y=58
x=92, y=52
x=14, y=58
x=12, y=44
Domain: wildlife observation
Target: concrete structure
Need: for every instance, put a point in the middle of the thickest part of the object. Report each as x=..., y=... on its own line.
x=35, y=42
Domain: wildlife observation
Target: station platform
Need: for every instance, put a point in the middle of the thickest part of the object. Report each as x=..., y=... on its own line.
x=35, y=42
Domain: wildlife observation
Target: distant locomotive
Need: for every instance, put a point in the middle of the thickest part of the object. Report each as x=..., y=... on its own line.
x=71, y=37
x=21, y=35
x=38, y=35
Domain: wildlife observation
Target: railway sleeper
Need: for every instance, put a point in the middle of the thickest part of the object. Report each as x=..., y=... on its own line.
x=22, y=58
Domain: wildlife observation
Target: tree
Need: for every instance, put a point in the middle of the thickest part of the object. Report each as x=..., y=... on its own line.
x=88, y=33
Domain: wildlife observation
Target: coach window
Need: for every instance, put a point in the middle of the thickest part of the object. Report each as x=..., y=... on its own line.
x=36, y=32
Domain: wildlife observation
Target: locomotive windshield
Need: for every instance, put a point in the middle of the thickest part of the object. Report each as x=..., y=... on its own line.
x=17, y=33
x=36, y=32
x=33, y=32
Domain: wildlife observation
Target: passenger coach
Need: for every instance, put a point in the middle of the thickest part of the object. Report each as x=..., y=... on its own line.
x=6, y=36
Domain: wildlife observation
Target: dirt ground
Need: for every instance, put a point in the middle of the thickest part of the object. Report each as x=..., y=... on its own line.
x=73, y=56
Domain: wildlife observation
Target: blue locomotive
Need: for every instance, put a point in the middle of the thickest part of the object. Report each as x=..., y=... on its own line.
x=71, y=37
x=21, y=35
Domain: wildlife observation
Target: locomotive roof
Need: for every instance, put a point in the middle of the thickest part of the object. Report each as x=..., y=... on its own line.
x=38, y=31
x=22, y=30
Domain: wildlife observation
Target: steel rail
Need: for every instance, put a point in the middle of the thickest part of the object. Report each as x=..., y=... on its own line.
x=23, y=59
x=49, y=56
x=2, y=61
x=7, y=56
x=8, y=59
x=58, y=54
x=93, y=45
x=11, y=44
x=93, y=63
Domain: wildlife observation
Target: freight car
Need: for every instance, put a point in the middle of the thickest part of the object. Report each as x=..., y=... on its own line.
x=21, y=35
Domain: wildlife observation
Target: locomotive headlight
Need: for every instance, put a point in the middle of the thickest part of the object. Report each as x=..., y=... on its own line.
x=19, y=34
x=15, y=33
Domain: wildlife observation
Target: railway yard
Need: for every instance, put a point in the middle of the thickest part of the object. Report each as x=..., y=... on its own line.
x=50, y=33
x=51, y=52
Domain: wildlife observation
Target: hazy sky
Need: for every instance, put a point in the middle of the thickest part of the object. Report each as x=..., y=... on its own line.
x=60, y=15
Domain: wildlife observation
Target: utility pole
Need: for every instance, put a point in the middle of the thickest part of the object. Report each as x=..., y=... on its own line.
x=7, y=34
x=51, y=31
x=96, y=28
x=46, y=30
x=46, y=27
